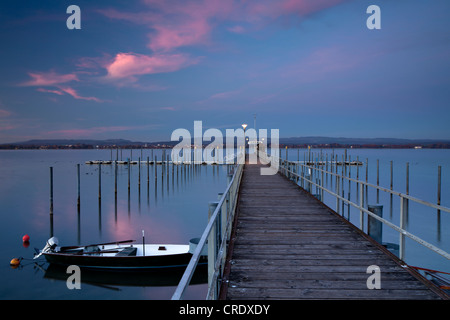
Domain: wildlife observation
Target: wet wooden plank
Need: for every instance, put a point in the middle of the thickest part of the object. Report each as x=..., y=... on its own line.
x=287, y=245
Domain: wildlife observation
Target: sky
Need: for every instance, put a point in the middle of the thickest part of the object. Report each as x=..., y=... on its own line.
x=138, y=70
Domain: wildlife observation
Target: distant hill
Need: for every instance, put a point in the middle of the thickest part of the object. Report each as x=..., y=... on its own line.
x=315, y=141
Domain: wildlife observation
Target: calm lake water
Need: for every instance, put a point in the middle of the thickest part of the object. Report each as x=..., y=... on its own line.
x=173, y=210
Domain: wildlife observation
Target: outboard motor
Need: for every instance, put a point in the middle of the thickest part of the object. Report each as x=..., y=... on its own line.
x=50, y=246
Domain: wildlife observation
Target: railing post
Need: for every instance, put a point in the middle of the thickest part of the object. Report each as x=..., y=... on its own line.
x=212, y=244
x=308, y=182
x=361, y=204
x=374, y=226
x=337, y=194
x=403, y=208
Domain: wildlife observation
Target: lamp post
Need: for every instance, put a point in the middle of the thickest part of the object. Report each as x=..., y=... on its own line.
x=244, y=126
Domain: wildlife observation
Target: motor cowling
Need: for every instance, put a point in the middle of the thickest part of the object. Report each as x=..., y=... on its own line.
x=50, y=246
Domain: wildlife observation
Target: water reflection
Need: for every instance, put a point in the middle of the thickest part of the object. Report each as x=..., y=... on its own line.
x=160, y=175
x=114, y=280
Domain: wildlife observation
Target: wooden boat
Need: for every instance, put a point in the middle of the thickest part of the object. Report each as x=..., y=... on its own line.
x=120, y=255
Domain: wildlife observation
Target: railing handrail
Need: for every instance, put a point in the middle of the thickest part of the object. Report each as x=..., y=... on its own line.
x=402, y=196
x=190, y=269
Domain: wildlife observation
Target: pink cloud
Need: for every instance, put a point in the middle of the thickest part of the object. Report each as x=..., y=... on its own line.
x=52, y=79
x=323, y=62
x=174, y=36
x=176, y=23
x=4, y=113
x=259, y=10
x=168, y=108
x=237, y=29
x=49, y=79
x=224, y=95
x=60, y=93
x=74, y=94
x=70, y=91
x=129, y=65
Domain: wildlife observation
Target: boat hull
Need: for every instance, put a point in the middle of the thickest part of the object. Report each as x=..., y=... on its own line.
x=153, y=260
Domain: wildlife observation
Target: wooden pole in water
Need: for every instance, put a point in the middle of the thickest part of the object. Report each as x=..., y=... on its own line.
x=392, y=176
x=51, y=190
x=115, y=179
x=378, y=180
x=139, y=172
x=99, y=181
x=439, y=187
x=148, y=170
x=439, y=203
x=143, y=243
x=51, y=201
x=129, y=168
x=407, y=192
x=407, y=178
x=78, y=178
x=156, y=169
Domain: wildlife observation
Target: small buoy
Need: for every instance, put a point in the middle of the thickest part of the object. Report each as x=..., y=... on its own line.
x=26, y=238
x=15, y=262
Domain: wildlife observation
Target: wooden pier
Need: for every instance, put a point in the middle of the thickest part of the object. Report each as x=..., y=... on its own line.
x=288, y=245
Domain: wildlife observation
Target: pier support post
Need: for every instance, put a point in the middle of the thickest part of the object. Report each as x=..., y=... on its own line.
x=212, y=244
x=375, y=227
x=308, y=182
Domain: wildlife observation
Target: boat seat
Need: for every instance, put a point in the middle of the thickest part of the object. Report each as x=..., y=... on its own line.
x=129, y=251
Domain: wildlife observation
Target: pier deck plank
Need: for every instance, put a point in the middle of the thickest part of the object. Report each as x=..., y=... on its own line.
x=288, y=245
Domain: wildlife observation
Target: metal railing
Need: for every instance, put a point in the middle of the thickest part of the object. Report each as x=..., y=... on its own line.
x=216, y=236
x=303, y=174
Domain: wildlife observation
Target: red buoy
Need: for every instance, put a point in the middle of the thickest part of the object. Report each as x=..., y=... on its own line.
x=26, y=238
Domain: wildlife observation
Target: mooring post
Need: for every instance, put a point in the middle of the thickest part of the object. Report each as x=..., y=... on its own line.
x=78, y=179
x=148, y=170
x=374, y=226
x=129, y=168
x=407, y=178
x=439, y=187
x=51, y=202
x=156, y=168
x=51, y=190
x=115, y=179
x=378, y=180
x=392, y=176
x=99, y=181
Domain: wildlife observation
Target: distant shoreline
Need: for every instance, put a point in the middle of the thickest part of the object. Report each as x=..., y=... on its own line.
x=315, y=142
x=167, y=146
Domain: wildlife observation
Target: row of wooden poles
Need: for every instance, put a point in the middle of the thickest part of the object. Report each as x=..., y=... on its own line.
x=186, y=170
